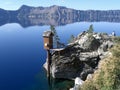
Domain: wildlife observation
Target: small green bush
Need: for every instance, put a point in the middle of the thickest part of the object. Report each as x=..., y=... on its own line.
x=116, y=51
x=88, y=85
x=117, y=40
x=71, y=40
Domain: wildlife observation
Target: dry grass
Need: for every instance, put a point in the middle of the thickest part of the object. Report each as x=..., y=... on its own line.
x=107, y=77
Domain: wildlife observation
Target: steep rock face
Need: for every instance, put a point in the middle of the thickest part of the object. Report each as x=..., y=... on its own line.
x=80, y=59
x=8, y=16
x=4, y=16
x=66, y=64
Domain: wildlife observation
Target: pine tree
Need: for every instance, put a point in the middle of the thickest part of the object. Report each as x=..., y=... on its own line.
x=90, y=30
x=56, y=39
x=71, y=39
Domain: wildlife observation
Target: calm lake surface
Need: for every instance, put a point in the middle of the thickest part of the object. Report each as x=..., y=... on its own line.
x=22, y=55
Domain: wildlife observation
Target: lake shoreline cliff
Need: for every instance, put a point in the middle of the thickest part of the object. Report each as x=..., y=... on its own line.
x=81, y=57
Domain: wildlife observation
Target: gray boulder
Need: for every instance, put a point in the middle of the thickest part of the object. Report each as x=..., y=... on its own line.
x=78, y=83
x=103, y=50
x=89, y=76
x=88, y=42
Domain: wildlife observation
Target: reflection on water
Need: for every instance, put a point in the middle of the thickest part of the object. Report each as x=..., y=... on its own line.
x=61, y=84
x=58, y=21
x=40, y=82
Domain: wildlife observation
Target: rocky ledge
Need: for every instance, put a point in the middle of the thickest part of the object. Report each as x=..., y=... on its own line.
x=81, y=57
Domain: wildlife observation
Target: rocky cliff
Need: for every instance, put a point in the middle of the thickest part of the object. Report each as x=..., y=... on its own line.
x=55, y=15
x=81, y=57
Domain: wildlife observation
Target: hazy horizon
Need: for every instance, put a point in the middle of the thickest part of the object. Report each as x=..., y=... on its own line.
x=78, y=5
x=58, y=5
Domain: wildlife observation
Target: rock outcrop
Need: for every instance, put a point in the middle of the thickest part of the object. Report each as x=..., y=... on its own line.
x=78, y=83
x=81, y=57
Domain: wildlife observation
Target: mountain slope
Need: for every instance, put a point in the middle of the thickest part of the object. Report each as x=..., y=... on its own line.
x=56, y=15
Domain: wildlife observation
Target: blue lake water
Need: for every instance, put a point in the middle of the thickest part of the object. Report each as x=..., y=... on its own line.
x=22, y=55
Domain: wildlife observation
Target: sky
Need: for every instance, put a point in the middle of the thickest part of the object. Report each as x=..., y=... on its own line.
x=75, y=4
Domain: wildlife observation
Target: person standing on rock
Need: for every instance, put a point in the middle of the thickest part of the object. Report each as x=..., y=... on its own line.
x=113, y=33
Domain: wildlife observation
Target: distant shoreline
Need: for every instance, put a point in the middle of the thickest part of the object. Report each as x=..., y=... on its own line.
x=55, y=15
